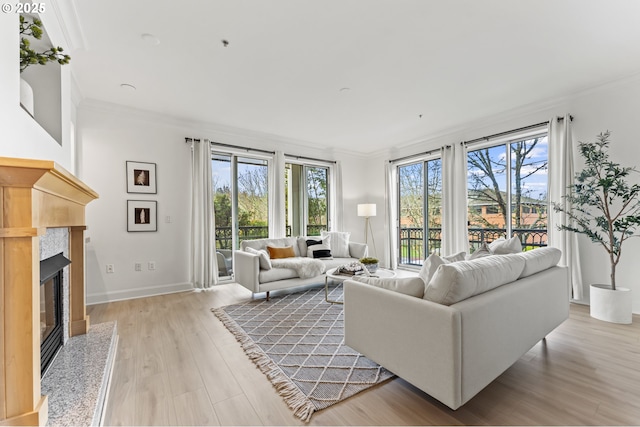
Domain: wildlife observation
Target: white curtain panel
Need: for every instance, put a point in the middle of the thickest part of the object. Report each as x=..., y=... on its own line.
x=392, y=215
x=277, y=219
x=337, y=210
x=204, y=269
x=561, y=173
x=455, y=237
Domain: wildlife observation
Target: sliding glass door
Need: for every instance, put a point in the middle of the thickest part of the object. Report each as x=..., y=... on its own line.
x=419, y=210
x=241, y=204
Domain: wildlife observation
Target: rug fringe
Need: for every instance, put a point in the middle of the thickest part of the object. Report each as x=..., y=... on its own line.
x=302, y=407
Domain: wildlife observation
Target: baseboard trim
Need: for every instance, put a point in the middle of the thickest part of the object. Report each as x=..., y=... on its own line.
x=150, y=291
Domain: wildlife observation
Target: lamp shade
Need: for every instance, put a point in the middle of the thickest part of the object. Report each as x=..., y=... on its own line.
x=367, y=209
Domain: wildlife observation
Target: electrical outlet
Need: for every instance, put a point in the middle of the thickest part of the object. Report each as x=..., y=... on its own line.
x=109, y=268
x=138, y=266
x=152, y=265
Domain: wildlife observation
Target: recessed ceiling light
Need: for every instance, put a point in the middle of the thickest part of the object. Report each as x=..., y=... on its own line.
x=150, y=39
x=345, y=89
x=127, y=86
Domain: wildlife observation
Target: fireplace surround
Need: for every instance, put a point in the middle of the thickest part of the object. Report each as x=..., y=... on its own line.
x=34, y=195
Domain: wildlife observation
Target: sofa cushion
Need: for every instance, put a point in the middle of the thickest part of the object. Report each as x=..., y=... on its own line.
x=266, y=276
x=338, y=242
x=504, y=246
x=433, y=261
x=457, y=281
x=265, y=262
x=539, y=259
x=413, y=286
x=276, y=253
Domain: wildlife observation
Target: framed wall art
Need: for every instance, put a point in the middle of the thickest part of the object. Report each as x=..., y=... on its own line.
x=142, y=215
x=141, y=177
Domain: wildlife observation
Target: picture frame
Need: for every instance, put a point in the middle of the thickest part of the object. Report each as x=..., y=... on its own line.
x=141, y=177
x=142, y=215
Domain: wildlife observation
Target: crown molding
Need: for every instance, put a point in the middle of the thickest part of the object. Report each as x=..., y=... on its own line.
x=216, y=131
x=67, y=15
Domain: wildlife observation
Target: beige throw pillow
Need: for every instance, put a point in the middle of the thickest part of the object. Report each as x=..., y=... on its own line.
x=433, y=261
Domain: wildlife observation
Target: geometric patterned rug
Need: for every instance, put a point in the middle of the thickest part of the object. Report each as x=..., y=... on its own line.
x=297, y=340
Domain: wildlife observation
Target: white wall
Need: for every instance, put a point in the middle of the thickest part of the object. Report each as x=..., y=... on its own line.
x=611, y=107
x=108, y=136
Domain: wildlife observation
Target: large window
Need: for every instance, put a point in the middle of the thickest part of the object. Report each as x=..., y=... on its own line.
x=241, y=204
x=306, y=199
x=419, y=210
x=507, y=192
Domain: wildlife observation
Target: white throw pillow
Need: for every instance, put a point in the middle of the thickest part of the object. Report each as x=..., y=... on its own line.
x=433, y=261
x=319, y=252
x=458, y=281
x=413, y=286
x=504, y=246
x=302, y=243
x=539, y=259
x=482, y=251
x=338, y=242
x=265, y=262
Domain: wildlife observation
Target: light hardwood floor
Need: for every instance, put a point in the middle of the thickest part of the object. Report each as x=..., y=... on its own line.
x=177, y=365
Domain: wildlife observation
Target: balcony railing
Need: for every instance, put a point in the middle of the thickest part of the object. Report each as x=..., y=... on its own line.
x=249, y=232
x=412, y=238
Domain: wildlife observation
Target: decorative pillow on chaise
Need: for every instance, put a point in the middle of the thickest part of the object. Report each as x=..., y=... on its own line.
x=482, y=251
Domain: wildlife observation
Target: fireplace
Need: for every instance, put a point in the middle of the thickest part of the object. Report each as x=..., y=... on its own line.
x=35, y=195
x=51, y=304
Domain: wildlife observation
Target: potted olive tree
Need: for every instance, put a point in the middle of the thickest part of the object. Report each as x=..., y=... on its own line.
x=606, y=208
x=29, y=56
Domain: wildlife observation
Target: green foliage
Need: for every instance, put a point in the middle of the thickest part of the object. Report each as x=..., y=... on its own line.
x=369, y=260
x=602, y=205
x=28, y=56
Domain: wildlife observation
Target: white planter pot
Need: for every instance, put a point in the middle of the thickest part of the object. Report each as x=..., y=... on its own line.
x=26, y=96
x=611, y=306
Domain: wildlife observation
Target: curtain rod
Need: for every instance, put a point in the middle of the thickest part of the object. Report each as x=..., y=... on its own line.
x=495, y=135
x=426, y=153
x=484, y=138
x=237, y=147
x=309, y=158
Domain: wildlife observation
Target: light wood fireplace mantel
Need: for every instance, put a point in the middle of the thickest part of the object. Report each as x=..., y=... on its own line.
x=34, y=195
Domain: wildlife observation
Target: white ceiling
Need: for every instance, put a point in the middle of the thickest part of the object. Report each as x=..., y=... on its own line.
x=449, y=61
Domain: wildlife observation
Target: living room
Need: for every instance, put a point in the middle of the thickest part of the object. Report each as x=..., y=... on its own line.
x=597, y=81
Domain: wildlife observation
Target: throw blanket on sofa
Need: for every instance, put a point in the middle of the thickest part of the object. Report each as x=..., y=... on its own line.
x=305, y=267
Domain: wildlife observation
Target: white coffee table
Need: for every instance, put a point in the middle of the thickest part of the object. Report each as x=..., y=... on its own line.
x=331, y=274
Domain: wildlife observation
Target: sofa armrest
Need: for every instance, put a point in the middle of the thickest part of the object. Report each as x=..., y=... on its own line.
x=246, y=267
x=358, y=250
x=416, y=339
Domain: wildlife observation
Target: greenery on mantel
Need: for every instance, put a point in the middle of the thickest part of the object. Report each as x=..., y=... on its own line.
x=28, y=56
x=604, y=206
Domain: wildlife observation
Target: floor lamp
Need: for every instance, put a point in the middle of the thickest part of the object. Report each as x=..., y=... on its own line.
x=367, y=210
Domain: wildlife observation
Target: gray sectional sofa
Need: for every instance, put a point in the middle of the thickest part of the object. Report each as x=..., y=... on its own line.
x=248, y=271
x=454, y=335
